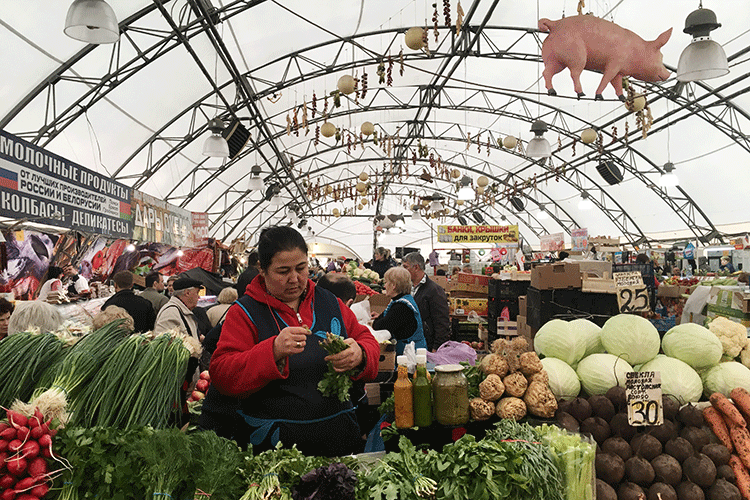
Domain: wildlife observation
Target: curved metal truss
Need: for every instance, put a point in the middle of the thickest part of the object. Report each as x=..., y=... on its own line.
x=477, y=40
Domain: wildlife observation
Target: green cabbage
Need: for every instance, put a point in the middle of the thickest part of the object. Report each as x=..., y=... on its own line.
x=555, y=339
x=632, y=337
x=693, y=344
x=724, y=377
x=590, y=334
x=563, y=380
x=600, y=372
x=677, y=378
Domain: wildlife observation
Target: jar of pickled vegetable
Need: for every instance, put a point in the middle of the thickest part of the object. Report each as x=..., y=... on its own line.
x=450, y=391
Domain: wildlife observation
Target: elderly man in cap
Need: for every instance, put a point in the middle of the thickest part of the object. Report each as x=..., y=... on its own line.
x=178, y=312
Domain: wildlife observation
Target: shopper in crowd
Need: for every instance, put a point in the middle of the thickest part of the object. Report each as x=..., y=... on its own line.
x=340, y=285
x=179, y=311
x=54, y=282
x=726, y=265
x=110, y=314
x=466, y=269
x=431, y=301
x=455, y=271
x=269, y=354
x=562, y=255
x=6, y=309
x=33, y=315
x=170, y=285
x=77, y=284
x=248, y=274
x=381, y=261
x=401, y=318
x=216, y=313
x=153, y=292
x=139, y=308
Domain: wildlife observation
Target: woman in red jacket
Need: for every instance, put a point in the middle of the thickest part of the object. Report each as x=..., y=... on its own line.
x=269, y=354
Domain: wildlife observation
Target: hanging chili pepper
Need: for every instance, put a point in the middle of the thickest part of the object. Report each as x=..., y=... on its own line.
x=325, y=104
x=314, y=105
x=364, y=85
x=435, y=22
x=317, y=135
x=447, y=13
x=389, y=81
x=401, y=62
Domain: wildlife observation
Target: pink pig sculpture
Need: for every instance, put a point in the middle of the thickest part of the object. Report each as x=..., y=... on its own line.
x=588, y=42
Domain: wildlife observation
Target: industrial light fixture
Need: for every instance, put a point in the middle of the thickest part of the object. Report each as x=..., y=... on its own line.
x=704, y=58
x=215, y=144
x=543, y=215
x=465, y=192
x=668, y=178
x=92, y=21
x=585, y=203
x=539, y=147
x=415, y=215
x=256, y=183
x=273, y=196
x=436, y=205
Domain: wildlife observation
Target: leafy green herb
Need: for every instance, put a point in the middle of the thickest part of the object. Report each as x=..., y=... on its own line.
x=474, y=377
x=216, y=464
x=335, y=383
x=400, y=475
x=388, y=406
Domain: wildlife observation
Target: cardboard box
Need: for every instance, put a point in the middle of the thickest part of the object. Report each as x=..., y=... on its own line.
x=730, y=302
x=387, y=357
x=442, y=281
x=373, y=394
x=462, y=305
x=378, y=302
x=360, y=298
x=557, y=275
x=597, y=268
x=465, y=282
x=522, y=306
x=668, y=291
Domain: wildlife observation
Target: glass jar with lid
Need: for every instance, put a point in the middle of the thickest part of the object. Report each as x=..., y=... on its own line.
x=450, y=391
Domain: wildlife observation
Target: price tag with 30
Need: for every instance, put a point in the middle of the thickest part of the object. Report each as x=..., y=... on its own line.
x=643, y=395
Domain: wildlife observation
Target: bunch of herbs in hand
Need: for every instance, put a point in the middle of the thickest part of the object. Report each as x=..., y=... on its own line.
x=335, y=383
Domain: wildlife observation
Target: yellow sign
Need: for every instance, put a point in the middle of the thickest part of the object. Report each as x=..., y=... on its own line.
x=478, y=234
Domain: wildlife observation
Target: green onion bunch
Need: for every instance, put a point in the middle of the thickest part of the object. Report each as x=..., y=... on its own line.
x=25, y=356
x=575, y=457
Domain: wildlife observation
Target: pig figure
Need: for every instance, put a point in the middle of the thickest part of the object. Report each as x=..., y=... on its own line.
x=588, y=42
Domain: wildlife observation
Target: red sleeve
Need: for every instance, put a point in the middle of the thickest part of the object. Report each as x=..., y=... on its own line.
x=365, y=339
x=241, y=365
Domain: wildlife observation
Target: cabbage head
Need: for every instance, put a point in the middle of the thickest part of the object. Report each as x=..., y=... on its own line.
x=632, y=337
x=677, y=378
x=600, y=372
x=694, y=344
x=590, y=334
x=563, y=380
x=555, y=339
x=724, y=377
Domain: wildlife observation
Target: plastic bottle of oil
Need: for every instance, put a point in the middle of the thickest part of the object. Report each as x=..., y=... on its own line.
x=403, y=395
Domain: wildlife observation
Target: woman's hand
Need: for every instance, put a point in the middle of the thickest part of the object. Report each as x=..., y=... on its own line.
x=347, y=359
x=291, y=340
x=374, y=315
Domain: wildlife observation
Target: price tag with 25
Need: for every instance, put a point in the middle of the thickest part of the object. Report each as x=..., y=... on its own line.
x=643, y=395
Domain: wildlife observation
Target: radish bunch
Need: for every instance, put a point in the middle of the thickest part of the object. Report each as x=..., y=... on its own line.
x=201, y=387
x=25, y=446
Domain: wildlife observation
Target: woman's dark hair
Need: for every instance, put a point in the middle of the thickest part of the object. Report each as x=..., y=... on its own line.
x=5, y=306
x=54, y=272
x=642, y=258
x=277, y=239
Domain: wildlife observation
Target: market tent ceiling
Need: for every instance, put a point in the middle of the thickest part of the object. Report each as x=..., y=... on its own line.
x=138, y=110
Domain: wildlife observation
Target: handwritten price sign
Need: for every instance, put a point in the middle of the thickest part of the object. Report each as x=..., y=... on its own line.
x=632, y=294
x=643, y=395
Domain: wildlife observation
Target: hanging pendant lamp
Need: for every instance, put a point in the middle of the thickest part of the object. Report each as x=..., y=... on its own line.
x=92, y=21
x=215, y=144
x=703, y=58
x=539, y=147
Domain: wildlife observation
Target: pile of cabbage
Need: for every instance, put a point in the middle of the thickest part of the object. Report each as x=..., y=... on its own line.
x=690, y=358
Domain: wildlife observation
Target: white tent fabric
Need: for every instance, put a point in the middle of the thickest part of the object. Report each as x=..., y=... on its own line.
x=137, y=110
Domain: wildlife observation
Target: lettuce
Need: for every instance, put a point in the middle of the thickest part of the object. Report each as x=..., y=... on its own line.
x=600, y=372
x=555, y=339
x=677, y=378
x=693, y=344
x=563, y=380
x=632, y=337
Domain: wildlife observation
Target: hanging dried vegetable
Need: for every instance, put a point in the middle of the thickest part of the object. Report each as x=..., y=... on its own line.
x=314, y=105
x=435, y=22
x=304, y=118
x=288, y=124
x=401, y=62
x=381, y=72
x=459, y=18
x=336, y=94
x=295, y=122
x=488, y=145
x=479, y=144
x=389, y=81
x=348, y=143
x=325, y=105
x=317, y=135
x=413, y=157
x=614, y=134
x=468, y=140
x=364, y=84
x=627, y=127
x=447, y=13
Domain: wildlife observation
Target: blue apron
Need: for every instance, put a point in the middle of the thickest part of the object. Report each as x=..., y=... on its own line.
x=293, y=411
x=418, y=336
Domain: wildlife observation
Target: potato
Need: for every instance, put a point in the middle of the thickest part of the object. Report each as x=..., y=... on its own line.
x=718, y=453
x=661, y=491
x=619, y=426
x=667, y=469
x=609, y=467
x=597, y=427
x=646, y=446
x=630, y=491
x=697, y=436
x=618, y=446
x=700, y=470
x=725, y=472
x=602, y=407
x=723, y=490
x=680, y=448
x=604, y=491
x=689, y=491
x=690, y=415
x=639, y=471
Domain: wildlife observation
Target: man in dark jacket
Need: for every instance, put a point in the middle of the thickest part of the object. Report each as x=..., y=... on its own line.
x=139, y=308
x=431, y=301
